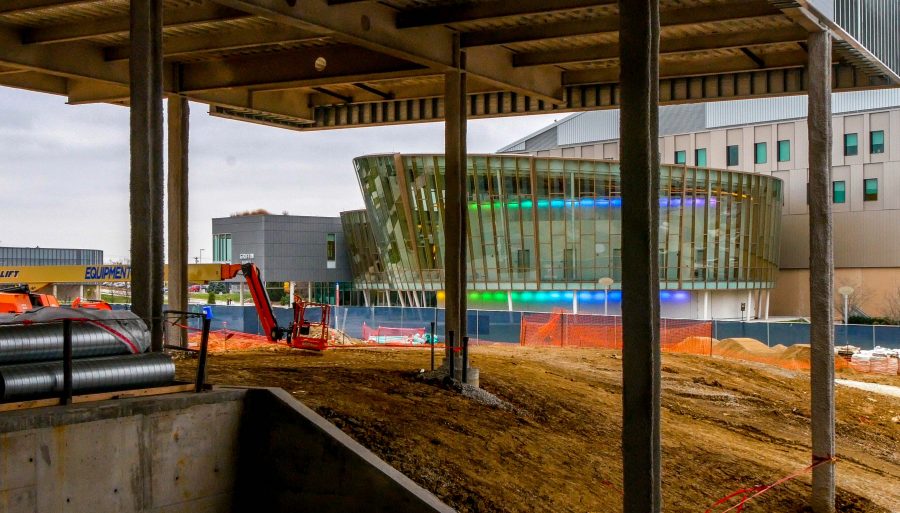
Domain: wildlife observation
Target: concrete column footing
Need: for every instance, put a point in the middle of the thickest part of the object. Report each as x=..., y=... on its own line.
x=473, y=374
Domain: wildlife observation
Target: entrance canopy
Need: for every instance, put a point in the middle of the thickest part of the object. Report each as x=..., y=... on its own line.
x=314, y=64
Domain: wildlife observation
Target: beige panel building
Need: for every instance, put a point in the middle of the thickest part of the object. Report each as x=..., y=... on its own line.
x=769, y=136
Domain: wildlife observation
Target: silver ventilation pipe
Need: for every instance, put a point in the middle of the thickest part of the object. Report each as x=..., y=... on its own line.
x=88, y=375
x=126, y=334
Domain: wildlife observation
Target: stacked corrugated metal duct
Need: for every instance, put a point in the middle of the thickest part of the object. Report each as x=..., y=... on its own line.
x=108, y=351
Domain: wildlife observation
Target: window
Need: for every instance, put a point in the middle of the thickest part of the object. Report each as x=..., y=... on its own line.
x=700, y=157
x=784, y=151
x=870, y=189
x=732, y=157
x=523, y=260
x=222, y=247
x=681, y=157
x=851, y=145
x=876, y=141
x=330, y=251
x=839, y=191
x=761, y=153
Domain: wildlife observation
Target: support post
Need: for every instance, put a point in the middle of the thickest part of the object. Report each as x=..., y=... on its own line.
x=179, y=114
x=146, y=165
x=639, y=81
x=455, y=199
x=204, y=349
x=821, y=272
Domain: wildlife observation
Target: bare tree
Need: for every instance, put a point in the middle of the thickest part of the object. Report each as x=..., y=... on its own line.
x=892, y=304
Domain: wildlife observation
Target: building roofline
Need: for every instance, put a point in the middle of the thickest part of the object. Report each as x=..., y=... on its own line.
x=538, y=132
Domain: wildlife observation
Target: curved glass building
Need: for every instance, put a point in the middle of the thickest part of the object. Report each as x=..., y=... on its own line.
x=545, y=230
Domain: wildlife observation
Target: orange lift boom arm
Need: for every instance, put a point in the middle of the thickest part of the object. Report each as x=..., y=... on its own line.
x=260, y=297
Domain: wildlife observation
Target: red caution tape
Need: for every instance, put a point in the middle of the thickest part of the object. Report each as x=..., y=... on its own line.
x=748, y=494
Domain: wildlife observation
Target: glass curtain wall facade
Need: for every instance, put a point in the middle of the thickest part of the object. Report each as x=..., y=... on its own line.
x=539, y=223
x=365, y=263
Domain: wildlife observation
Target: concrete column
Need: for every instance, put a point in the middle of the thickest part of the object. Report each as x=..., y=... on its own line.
x=706, y=306
x=81, y=291
x=639, y=80
x=366, y=297
x=146, y=165
x=766, y=310
x=455, y=198
x=179, y=114
x=509, y=302
x=575, y=302
x=241, y=293
x=821, y=271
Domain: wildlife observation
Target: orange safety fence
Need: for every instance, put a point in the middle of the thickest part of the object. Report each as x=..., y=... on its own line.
x=227, y=340
x=560, y=329
x=686, y=336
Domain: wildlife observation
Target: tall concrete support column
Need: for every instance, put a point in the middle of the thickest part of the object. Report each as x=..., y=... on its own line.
x=639, y=79
x=179, y=114
x=821, y=271
x=455, y=220
x=146, y=204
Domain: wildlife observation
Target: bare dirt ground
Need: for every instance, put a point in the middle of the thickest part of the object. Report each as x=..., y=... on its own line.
x=726, y=425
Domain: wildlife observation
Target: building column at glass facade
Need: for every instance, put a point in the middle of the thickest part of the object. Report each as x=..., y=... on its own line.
x=540, y=226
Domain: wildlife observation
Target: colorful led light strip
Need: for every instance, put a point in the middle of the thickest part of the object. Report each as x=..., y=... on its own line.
x=585, y=296
x=589, y=202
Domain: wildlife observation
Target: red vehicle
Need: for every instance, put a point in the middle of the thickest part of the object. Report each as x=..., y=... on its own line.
x=17, y=300
x=91, y=304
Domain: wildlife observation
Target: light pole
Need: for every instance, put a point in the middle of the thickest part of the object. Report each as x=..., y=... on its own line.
x=846, y=291
x=606, y=283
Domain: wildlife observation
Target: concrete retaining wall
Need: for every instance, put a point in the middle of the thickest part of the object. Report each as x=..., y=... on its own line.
x=220, y=451
x=162, y=455
x=294, y=460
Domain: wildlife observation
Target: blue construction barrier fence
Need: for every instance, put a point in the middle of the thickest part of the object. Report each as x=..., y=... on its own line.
x=504, y=326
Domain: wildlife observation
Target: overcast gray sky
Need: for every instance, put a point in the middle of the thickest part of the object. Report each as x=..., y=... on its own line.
x=64, y=169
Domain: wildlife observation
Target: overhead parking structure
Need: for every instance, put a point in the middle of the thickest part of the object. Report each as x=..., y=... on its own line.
x=330, y=64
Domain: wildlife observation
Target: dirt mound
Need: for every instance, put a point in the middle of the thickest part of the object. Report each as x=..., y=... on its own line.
x=796, y=352
x=693, y=345
x=733, y=346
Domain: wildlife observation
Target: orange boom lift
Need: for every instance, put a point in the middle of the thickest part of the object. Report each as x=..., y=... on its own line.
x=260, y=297
x=302, y=333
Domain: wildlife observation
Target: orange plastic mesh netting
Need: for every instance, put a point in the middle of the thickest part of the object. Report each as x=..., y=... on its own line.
x=224, y=340
x=559, y=329
x=686, y=336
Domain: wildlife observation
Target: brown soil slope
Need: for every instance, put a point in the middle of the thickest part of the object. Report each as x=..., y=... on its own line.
x=726, y=425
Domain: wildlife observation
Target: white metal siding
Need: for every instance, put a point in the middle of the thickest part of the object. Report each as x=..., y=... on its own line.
x=598, y=125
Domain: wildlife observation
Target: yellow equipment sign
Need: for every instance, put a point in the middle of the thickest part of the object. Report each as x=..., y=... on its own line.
x=40, y=275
